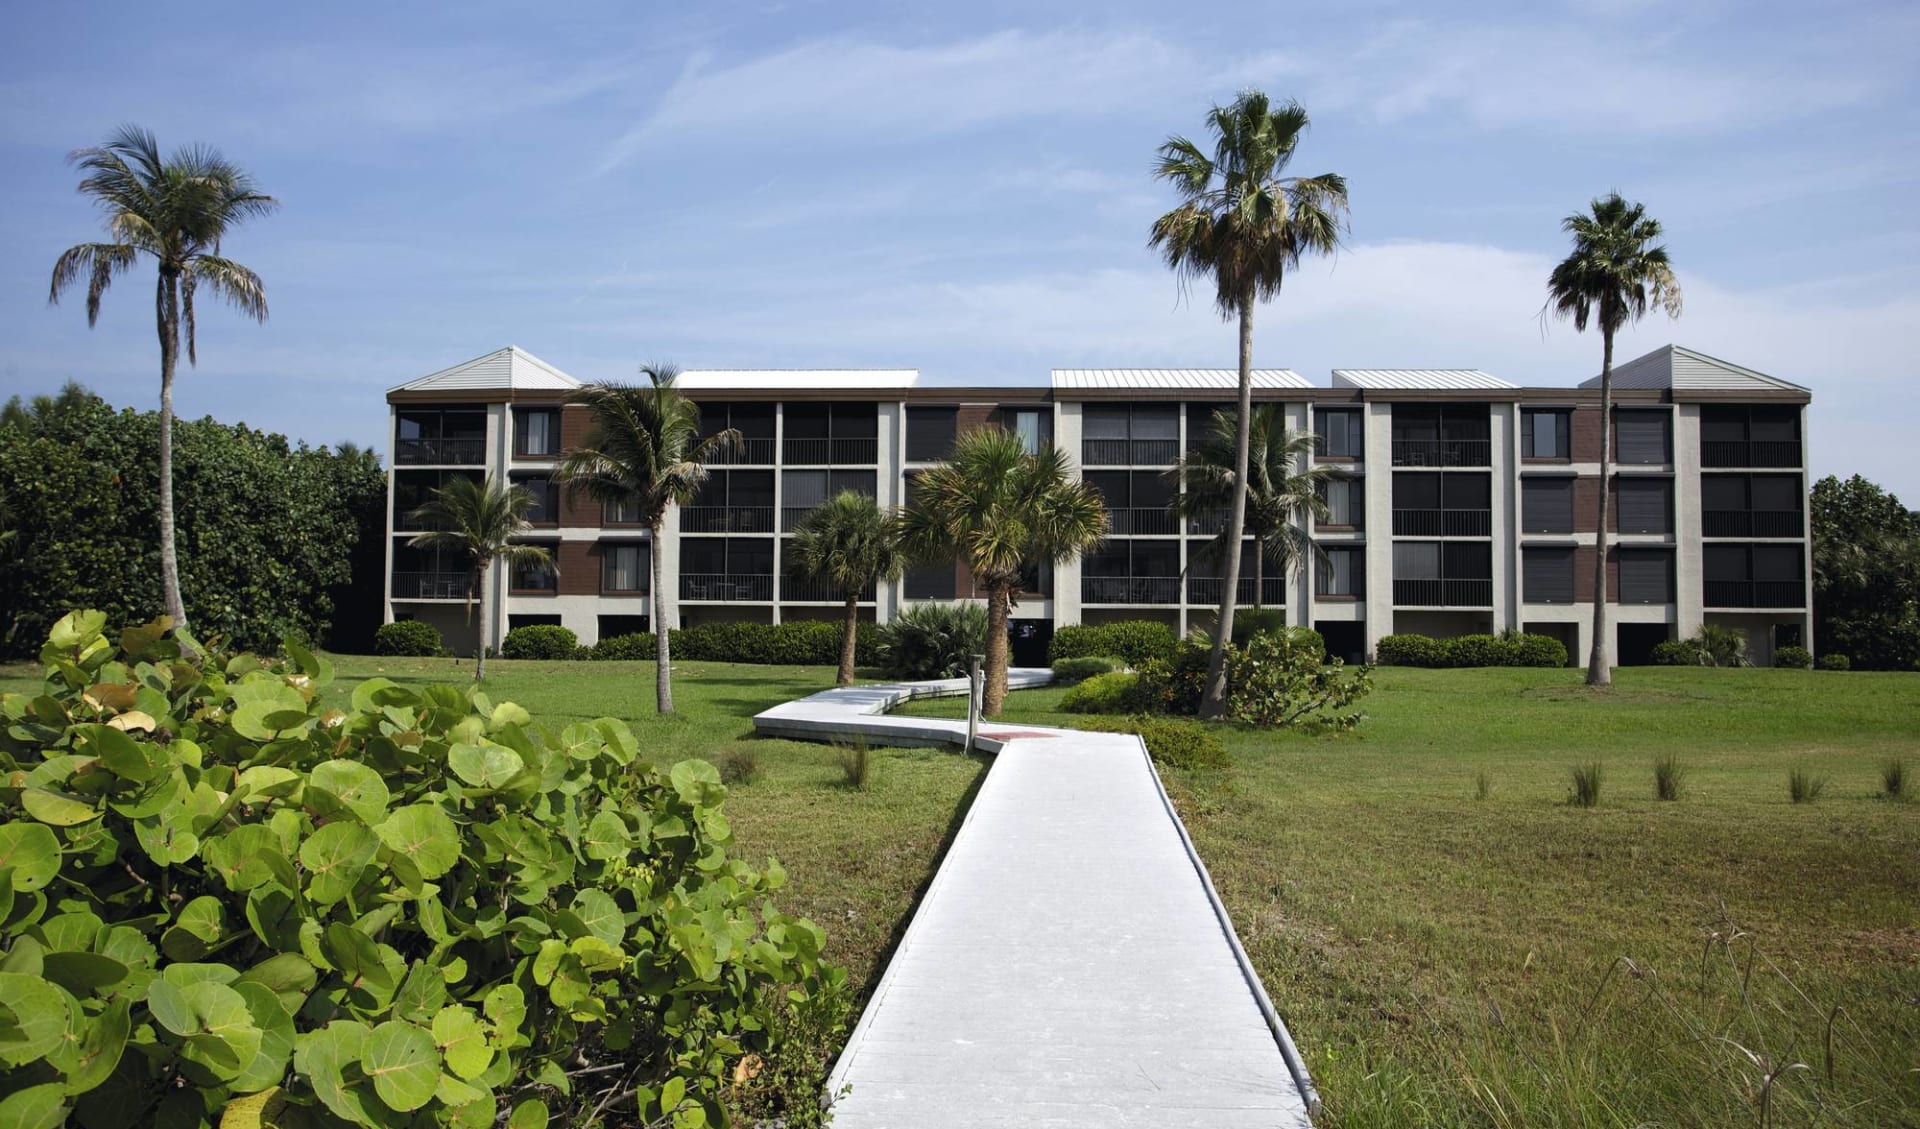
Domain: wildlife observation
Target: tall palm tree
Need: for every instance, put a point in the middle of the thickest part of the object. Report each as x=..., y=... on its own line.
x=1280, y=494
x=1242, y=224
x=175, y=210
x=851, y=544
x=480, y=520
x=1616, y=272
x=644, y=450
x=1001, y=510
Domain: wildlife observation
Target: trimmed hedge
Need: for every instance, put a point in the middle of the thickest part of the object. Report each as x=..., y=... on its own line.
x=797, y=643
x=639, y=647
x=1676, y=652
x=1076, y=670
x=1117, y=692
x=408, y=637
x=1512, y=648
x=1798, y=658
x=1411, y=650
x=1834, y=662
x=1135, y=640
x=1174, y=742
x=540, y=641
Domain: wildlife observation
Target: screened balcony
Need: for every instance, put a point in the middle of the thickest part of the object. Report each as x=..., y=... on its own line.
x=1750, y=435
x=1442, y=435
x=726, y=569
x=754, y=422
x=1443, y=574
x=1131, y=572
x=1130, y=435
x=1442, y=505
x=442, y=436
x=840, y=434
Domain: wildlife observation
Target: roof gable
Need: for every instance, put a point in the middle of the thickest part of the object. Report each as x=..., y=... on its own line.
x=511, y=369
x=1680, y=369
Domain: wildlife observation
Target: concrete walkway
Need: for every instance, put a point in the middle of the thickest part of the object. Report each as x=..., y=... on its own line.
x=1070, y=964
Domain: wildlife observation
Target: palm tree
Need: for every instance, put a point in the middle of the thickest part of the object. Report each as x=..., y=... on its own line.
x=1616, y=272
x=1001, y=510
x=1242, y=225
x=851, y=544
x=644, y=450
x=1279, y=497
x=480, y=521
x=175, y=210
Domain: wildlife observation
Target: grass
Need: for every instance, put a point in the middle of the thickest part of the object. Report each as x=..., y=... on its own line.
x=1446, y=956
x=1669, y=777
x=1893, y=778
x=1585, y=792
x=1803, y=787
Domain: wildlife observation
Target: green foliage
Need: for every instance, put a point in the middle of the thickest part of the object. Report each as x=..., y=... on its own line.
x=858, y=766
x=638, y=647
x=540, y=641
x=413, y=637
x=1076, y=670
x=1669, y=777
x=1834, y=662
x=266, y=528
x=1171, y=741
x=1866, y=574
x=1893, y=778
x=1135, y=640
x=1509, y=648
x=794, y=643
x=1676, y=652
x=1411, y=650
x=1585, y=792
x=225, y=898
x=1115, y=692
x=928, y=641
x=1799, y=658
x=1803, y=787
x=1248, y=622
x=1538, y=650
x=1275, y=681
x=1714, y=645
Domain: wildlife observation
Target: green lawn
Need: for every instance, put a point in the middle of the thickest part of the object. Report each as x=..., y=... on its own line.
x=1444, y=959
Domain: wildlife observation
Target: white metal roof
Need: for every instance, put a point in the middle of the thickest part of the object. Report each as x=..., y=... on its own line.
x=1417, y=378
x=1680, y=368
x=1197, y=379
x=792, y=379
x=503, y=369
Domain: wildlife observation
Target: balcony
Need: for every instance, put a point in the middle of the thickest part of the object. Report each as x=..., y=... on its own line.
x=1129, y=452
x=1753, y=523
x=1443, y=593
x=831, y=452
x=1137, y=520
x=726, y=586
x=431, y=585
x=1442, y=452
x=1756, y=594
x=1205, y=590
x=1130, y=589
x=751, y=452
x=815, y=592
x=726, y=519
x=1443, y=523
x=1750, y=453
x=440, y=452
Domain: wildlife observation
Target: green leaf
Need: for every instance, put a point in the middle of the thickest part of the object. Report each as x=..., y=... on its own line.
x=529, y=1114
x=607, y=837
x=323, y=1056
x=426, y=835
x=269, y=1062
x=505, y=714
x=462, y=1039
x=374, y=693
x=249, y=856
x=31, y=852
x=287, y=975
x=83, y=974
x=355, y=785
x=506, y=1007
x=171, y=1008
x=357, y=958
x=251, y=1111
x=57, y=808
x=403, y=1063
x=697, y=782
x=601, y=915
x=41, y=1016
x=226, y=1040
x=671, y=1091
x=264, y=709
x=76, y=629
x=266, y=781
x=35, y=1107
x=422, y=994
x=485, y=766
x=196, y=930
x=336, y=855
x=102, y=1041
x=119, y=753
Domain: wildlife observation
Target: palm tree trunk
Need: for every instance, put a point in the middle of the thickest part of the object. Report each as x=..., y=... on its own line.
x=168, y=300
x=848, y=643
x=486, y=621
x=1214, y=702
x=995, y=693
x=1599, y=671
x=1259, y=573
x=663, y=661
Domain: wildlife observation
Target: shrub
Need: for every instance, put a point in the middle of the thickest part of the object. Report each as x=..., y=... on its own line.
x=858, y=766
x=738, y=766
x=1834, y=662
x=1586, y=785
x=794, y=643
x=625, y=648
x=384, y=881
x=1176, y=683
x=1073, y=670
x=540, y=641
x=1173, y=742
x=933, y=640
x=1893, y=778
x=1539, y=650
x=1248, y=622
x=1721, y=646
x=1114, y=692
x=1277, y=682
x=1798, y=658
x=1803, y=787
x=1135, y=640
x=1482, y=650
x=1410, y=650
x=1306, y=638
x=1509, y=648
x=1676, y=652
x=409, y=637
x=1669, y=777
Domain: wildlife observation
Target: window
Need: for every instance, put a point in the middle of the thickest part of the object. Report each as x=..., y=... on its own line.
x=536, y=432
x=535, y=577
x=1346, y=500
x=832, y=433
x=1416, y=560
x=1646, y=576
x=1138, y=501
x=414, y=488
x=1646, y=505
x=930, y=582
x=753, y=422
x=1443, y=573
x=1034, y=426
x=437, y=435
x=1546, y=574
x=1342, y=573
x=731, y=501
x=1339, y=433
x=614, y=626
x=1546, y=505
x=930, y=433
x=1450, y=435
x=1643, y=435
x=1754, y=576
x=625, y=567
x=546, y=498
x=1546, y=433
x=1119, y=434
x=624, y=512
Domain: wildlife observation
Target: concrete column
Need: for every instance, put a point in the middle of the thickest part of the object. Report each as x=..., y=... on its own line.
x=1806, y=509
x=1066, y=575
x=1688, y=552
x=1378, y=465
x=1180, y=622
x=1503, y=499
x=393, y=463
x=500, y=443
x=1300, y=585
x=889, y=490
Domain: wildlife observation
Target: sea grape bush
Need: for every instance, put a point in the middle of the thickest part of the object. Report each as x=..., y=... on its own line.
x=224, y=899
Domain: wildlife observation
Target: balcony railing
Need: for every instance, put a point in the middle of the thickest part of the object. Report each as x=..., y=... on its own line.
x=1442, y=452
x=751, y=452
x=1130, y=589
x=1207, y=524
x=1746, y=453
x=1756, y=594
x=1129, y=452
x=1205, y=590
x=431, y=585
x=1137, y=520
x=1443, y=593
x=1443, y=523
x=815, y=592
x=726, y=586
x=726, y=519
x=1752, y=523
x=832, y=452
x=443, y=452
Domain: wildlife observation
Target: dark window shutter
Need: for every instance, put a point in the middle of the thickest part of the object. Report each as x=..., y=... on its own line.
x=1646, y=505
x=1646, y=576
x=1546, y=505
x=1546, y=575
x=1641, y=437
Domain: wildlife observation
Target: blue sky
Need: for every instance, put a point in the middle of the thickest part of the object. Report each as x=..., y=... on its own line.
x=965, y=189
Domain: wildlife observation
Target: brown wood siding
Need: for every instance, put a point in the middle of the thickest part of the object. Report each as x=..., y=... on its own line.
x=1583, y=576
x=577, y=508
x=574, y=422
x=1586, y=495
x=973, y=417
x=579, y=568
x=1585, y=432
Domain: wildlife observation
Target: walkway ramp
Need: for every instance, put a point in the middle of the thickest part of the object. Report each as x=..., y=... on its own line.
x=1070, y=964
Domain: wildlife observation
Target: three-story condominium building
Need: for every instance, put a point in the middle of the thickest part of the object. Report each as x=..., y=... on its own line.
x=1460, y=502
